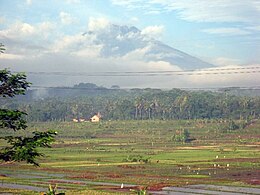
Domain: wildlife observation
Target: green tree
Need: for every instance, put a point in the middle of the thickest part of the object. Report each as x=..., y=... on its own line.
x=20, y=148
x=181, y=136
x=2, y=49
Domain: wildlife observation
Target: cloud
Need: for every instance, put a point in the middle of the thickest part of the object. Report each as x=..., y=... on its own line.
x=227, y=31
x=97, y=24
x=224, y=61
x=2, y=20
x=91, y=51
x=78, y=53
x=223, y=78
x=70, y=43
x=88, y=64
x=24, y=40
x=28, y=2
x=199, y=10
x=134, y=20
x=244, y=12
x=20, y=30
x=216, y=11
x=9, y=56
x=153, y=31
x=66, y=18
x=72, y=1
x=130, y=4
x=137, y=54
x=253, y=28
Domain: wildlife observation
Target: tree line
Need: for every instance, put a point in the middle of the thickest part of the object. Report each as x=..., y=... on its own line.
x=140, y=104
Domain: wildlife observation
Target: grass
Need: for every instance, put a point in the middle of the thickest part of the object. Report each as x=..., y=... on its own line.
x=87, y=152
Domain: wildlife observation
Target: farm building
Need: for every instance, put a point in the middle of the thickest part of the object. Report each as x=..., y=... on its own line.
x=75, y=120
x=78, y=120
x=95, y=118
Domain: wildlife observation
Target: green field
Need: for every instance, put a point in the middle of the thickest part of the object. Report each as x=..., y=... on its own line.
x=142, y=153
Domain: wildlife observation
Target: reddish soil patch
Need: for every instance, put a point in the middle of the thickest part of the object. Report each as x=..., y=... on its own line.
x=62, y=171
x=84, y=176
x=118, y=189
x=57, y=170
x=157, y=187
x=250, y=177
x=254, y=181
x=113, y=175
x=153, y=187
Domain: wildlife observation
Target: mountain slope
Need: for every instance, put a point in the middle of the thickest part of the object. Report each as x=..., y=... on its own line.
x=122, y=40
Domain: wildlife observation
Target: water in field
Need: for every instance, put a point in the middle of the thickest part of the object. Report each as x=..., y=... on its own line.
x=184, y=190
x=207, y=189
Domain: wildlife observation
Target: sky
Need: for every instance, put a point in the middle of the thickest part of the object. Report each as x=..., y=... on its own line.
x=46, y=35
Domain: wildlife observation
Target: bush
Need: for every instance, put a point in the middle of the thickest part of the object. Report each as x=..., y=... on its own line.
x=181, y=136
x=232, y=125
x=137, y=158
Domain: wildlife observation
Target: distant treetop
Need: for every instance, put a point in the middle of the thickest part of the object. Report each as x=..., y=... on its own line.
x=86, y=85
x=115, y=87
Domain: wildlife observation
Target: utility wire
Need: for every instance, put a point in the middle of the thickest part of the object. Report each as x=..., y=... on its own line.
x=158, y=74
x=245, y=70
x=186, y=88
x=156, y=71
x=194, y=70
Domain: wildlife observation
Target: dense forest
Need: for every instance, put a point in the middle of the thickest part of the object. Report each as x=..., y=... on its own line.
x=85, y=100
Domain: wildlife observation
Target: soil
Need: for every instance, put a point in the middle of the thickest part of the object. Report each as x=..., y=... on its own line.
x=251, y=177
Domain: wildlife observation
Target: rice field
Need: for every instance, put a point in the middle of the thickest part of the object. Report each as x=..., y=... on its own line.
x=97, y=158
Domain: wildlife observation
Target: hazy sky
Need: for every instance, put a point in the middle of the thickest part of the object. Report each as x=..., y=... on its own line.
x=47, y=34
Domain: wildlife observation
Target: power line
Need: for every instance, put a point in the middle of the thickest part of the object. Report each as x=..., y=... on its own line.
x=216, y=71
x=184, y=88
x=158, y=74
x=193, y=70
x=156, y=71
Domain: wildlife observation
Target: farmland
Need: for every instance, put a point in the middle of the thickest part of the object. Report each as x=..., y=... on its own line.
x=96, y=158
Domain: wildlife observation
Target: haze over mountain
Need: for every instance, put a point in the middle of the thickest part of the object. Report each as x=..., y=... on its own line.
x=118, y=41
x=105, y=47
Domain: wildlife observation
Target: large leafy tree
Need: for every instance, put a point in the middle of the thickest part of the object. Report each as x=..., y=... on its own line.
x=20, y=148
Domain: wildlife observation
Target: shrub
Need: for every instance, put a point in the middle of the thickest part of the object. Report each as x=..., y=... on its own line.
x=181, y=136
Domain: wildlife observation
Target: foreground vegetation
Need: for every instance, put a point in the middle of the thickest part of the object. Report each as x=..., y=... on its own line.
x=145, y=153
